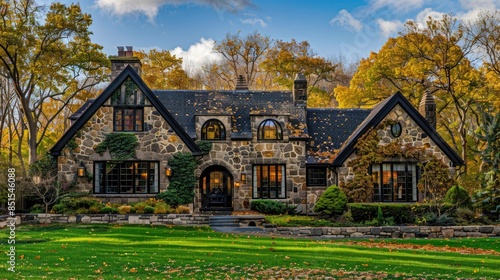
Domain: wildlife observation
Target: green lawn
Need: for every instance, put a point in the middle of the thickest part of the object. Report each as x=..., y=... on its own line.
x=143, y=252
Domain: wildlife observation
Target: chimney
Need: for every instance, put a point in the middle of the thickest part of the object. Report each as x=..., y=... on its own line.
x=427, y=108
x=125, y=57
x=300, y=89
x=241, y=83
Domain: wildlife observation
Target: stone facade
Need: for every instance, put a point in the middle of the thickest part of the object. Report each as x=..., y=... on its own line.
x=411, y=134
x=156, y=143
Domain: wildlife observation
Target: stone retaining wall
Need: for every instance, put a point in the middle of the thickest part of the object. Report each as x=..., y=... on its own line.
x=133, y=219
x=389, y=231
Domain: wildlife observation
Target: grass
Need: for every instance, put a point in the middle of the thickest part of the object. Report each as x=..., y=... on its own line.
x=145, y=252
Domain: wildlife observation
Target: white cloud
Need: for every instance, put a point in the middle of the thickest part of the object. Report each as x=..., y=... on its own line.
x=398, y=5
x=388, y=28
x=346, y=19
x=150, y=7
x=253, y=20
x=424, y=15
x=197, y=55
x=470, y=5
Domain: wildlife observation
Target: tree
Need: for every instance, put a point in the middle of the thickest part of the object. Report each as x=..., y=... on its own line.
x=44, y=184
x=243, y=55
x=163, y=70
x=49, y=58
x=285, y=59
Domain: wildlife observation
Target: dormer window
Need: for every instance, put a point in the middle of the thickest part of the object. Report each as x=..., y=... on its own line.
x=213, y=130
x=270, y=130
x=128, y=107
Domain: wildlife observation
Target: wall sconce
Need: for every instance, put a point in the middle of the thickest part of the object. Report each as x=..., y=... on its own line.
x=168, y=171
x=37, y=179
x=243, y=178
x=236, y=184
x=81, y=170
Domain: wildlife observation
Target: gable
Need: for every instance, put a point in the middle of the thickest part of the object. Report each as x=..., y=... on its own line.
x=379, y=113
x=127, y=73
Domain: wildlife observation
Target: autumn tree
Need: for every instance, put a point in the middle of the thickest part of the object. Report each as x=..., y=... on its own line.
x=163, y=70
x=49, y=58
x=435, y=58
x=243, y=54
x=285, y=59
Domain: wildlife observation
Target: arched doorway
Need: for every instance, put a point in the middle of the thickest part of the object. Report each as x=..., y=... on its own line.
x=216, y=188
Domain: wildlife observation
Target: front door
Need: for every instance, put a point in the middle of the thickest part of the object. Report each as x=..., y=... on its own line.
x=216, y=185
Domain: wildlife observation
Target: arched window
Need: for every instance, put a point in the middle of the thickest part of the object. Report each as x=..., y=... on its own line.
x=213, y=130
x=270, y=130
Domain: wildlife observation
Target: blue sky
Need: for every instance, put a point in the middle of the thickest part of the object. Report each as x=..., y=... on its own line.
x=350, y=28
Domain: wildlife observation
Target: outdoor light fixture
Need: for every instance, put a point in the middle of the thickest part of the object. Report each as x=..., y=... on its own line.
x=81, y=170
x=243, y=178
x=168, y=171
x=237, y=184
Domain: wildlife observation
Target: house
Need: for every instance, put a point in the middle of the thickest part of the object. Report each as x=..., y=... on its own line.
x=265, y=145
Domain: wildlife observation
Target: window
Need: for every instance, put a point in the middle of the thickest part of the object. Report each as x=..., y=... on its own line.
x=213, y=130
x=270, y=130
x=127, y=177
x=394, y=182
x=269, y=181
x=316, y=176
x=128, y=107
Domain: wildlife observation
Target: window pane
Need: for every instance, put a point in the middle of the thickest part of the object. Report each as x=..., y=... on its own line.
x=386, y=182
x=376, y=182
x=141, y=177
x=256, y=181
x=138, y=119
x=118, y=119
x=112, y=178
x=281, y=182
x=98, y=177
x=412, y=182
x=126, y=177
x=272, y=181
x=399, y=176
x=128, y=119
x=153, y=177
x=316, y=176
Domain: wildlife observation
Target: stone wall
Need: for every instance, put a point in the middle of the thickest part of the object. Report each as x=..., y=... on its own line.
x=411, y=134
x=156, y=143
x=388, y=231
x=239, y=156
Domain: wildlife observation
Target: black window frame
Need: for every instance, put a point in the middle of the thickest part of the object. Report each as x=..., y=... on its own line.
x=410, y=190
x=119, y=166
x=262, y=126
x=128, y=97
x=316, y=176
x=256, y=194
x=222, y=129
x=121, y=109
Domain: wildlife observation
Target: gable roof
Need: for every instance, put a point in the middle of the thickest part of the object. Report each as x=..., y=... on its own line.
x=329, y=128
x=128, y=72
x=379, y=112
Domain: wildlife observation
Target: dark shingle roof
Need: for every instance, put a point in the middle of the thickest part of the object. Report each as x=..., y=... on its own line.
x=185, y=105
x=82, y=109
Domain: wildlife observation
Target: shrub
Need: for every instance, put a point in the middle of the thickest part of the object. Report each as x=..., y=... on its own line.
x=37, y=208
x=70, y=204
x=109, y=210
x=161, y=208
x=332, y=202
x=458, y=196
x=271, y=207
x=182, y=210
x=149, y=210
x=124, y=209
x=139, y=207
x=181, y=188
x=465, y=216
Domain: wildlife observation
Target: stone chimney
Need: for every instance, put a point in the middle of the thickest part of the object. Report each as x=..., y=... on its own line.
x=300, y=89
x=241, y=83
x=125, y=57
x=427, y=108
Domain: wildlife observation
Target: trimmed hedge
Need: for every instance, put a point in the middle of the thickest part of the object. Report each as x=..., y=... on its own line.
x=401, y=213
x=272, y=207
